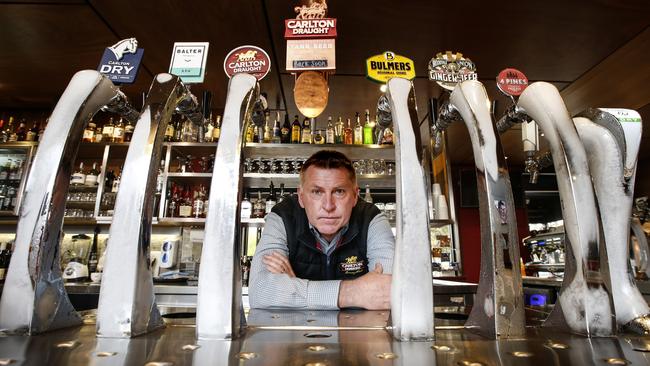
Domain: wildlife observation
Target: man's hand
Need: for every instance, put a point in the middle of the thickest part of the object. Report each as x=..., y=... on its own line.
x=370, y=291
x=278, y=263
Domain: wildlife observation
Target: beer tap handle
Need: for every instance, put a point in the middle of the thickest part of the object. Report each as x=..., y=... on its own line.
x=120, y=105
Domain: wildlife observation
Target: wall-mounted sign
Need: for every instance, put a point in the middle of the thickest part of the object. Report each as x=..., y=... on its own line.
x=310, y=28
x=512, y=82
x=189, y=61
x=449, y=69
x=121, y=61
x=247, y=59
x=381, y=68
x=311, y=54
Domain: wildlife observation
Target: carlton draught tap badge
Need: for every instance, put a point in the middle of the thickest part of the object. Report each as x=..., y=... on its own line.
x=381, y=68
x=311, y=54
x=449, y=69
x=247, y=59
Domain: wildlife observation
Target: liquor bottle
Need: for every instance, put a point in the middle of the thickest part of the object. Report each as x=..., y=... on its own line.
x=268, y=133
x=339, y=127
x=348, y=134
x=32, y=134
x=21, y=132
x=281, y=197
x=259, y=207
x=197, y=204
x=128, y=131
x=188, y=133
x=89, y=132
x=200, y=132
x=93, y=258
x=42, y=130
x=329, y=133
x=107, y=131
x=11, y=193
x=367, y=130
x=116, y=182
x=296, y=130
x=79, y=177
x=4, y=170
x=99, y=136
x=387, y=137
x=91, y=177
x=209, y=129
x=8, y=131
x=271, y=200
x=285, y=131
x=306, y=131
x=277, y=130
x=216, y=132
x=160, y=180
x=19, y=170
x=172, y=201
x=108, y=181
x=318, y=138
x=358, y=131
x=246, y=208
x=206, y=201
x=178, y=130
x=118, y=131
x=3, y=264
x=367, y=197
x=185, y=207
x=250, y=132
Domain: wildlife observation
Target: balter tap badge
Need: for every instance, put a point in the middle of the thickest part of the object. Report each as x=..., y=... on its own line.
x=448, y=69
x=311, y=93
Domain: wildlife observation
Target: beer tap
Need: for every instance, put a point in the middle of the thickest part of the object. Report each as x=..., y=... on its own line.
x=585, y=302
x=612, y=145
x=120, y=105
x=411, y=288
x=127, y=306
x=34, y=298
x=219, y=312
x=499, y=311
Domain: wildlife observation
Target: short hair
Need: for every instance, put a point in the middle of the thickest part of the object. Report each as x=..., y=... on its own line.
x=329, y=159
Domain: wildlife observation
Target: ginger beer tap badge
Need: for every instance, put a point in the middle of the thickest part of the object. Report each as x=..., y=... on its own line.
x=448, y=69
x=247, y=59
x=121, y=61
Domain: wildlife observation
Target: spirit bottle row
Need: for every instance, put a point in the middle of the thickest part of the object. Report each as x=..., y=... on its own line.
x=186, y=201
x=307, y=133
x=81, y=177
x=11, y=133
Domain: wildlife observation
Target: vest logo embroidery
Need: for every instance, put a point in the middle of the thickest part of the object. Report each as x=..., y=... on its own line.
x=351, y=266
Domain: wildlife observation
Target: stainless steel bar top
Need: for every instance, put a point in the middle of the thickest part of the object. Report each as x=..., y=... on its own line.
x=339, y=338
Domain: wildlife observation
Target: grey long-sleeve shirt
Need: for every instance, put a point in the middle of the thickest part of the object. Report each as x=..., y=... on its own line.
x=269, y=290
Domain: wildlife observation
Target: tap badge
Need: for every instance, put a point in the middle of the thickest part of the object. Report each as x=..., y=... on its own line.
x=448, y=69
x=383, y=67
x=247, y=59
x=351, y=266
x=121, y=61
x=512, y=82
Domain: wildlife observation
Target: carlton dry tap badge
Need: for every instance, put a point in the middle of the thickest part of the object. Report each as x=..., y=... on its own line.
x=448, y=69
x=512, y=82
x=189, y=61
x=121, y=61
x=247, y=59
x=383, y=67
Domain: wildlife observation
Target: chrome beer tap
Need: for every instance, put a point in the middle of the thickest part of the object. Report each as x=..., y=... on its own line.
x=499, y=308
x=585, y=302
x=127, y=306
x=612, y=147
x=219, y=313
x=34, y=299
x=412, y=286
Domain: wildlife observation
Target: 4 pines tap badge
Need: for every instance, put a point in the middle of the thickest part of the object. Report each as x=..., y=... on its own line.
x=448, y=69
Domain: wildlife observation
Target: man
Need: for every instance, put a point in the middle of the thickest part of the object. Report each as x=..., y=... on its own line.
x=324, y=248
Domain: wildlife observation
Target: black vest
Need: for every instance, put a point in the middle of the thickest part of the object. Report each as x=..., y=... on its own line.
x=349, y=260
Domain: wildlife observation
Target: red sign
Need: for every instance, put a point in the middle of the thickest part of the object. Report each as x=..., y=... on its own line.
x=247, y=59
x=512, y=82
x=310, y=28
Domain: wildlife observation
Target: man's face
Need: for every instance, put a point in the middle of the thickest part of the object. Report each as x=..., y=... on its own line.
x=328, y=196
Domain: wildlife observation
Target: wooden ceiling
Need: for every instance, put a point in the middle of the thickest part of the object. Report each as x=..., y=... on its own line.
x=596, y=52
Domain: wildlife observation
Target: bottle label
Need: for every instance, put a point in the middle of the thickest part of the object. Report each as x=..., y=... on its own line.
x=78, y=178
x=91, y=180
x=246, y=211
x=88, y=135
x=30, y=136
x=3, y=175
x=107, y=131
x=3, y=272
x=198, y=208
x=118, y=132
x=169, y=132
x=185, y=211
x=216, y=133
